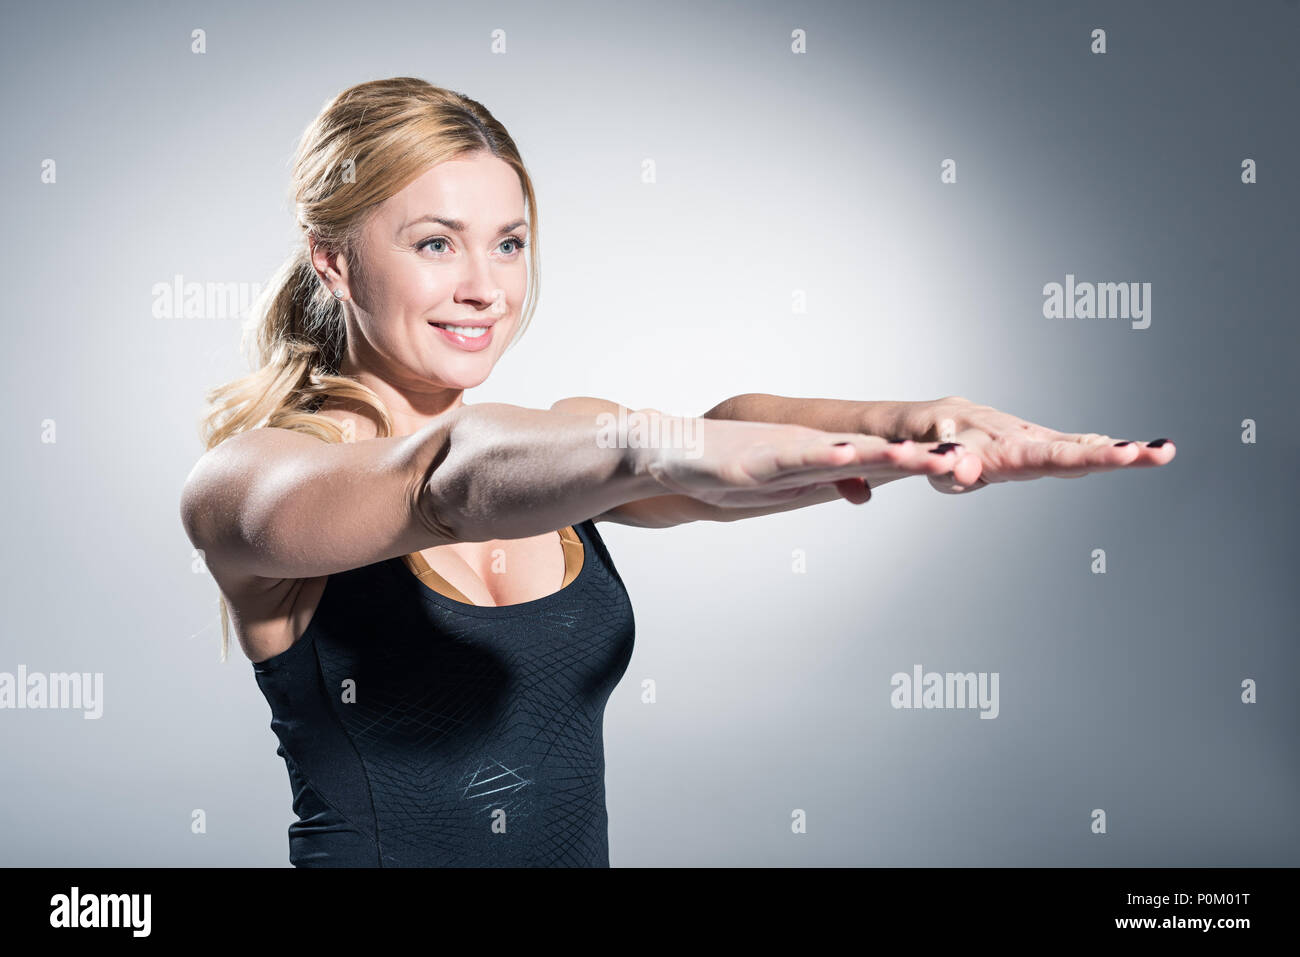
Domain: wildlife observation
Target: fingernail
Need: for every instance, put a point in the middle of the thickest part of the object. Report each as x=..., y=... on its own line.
x=1156, y=443
x=898, y=441
x=945, y=448
x=1117, y=444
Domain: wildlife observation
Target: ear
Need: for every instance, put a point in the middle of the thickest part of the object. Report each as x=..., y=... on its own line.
x=330, y=264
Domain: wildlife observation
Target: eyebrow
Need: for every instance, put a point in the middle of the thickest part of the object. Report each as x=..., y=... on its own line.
x=458, y=225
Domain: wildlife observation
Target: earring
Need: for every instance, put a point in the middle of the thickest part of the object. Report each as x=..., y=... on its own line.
x=339, y=293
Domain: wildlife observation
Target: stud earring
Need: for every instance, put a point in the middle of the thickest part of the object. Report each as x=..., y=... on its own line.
x=339, y=294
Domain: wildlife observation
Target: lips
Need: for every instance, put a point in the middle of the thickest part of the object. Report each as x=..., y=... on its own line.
x=467, y=343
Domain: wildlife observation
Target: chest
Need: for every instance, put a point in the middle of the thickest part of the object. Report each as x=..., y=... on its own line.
x=499, y=572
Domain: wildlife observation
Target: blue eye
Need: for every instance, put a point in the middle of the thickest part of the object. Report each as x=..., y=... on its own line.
x=516, y=241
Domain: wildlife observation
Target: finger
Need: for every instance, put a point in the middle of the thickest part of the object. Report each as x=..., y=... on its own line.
x=808, y=463
x=1063, y=458
x=859, y=455
x=904, y=458
x=964, y=477
x=949, y=486
x=1149, y=455
x=1108, y=457
x=855, y=490
x=1041, y=459
x=968, y=469
x=837, y=455
x=1087, y=438
x=1152, y=456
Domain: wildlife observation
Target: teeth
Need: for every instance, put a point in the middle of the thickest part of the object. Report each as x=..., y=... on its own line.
x=469, y=332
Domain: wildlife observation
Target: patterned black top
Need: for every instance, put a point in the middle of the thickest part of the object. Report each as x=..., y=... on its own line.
x=421, y=731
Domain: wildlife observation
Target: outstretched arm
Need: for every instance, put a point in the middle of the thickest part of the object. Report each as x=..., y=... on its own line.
x=994, y=447
x=272, y=503
x=663, y=511
x=1007, y=448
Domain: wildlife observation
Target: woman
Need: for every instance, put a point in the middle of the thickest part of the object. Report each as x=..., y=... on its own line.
x=419, y=583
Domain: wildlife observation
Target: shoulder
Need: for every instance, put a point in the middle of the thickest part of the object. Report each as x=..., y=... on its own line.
x=235, y=456
x=228, y=474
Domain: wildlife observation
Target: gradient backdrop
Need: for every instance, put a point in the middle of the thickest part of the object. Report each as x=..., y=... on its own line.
x=779, y=174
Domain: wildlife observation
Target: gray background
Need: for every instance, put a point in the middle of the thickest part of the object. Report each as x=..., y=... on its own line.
x=776, y=172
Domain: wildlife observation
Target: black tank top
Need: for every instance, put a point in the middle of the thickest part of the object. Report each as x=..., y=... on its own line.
x=420, y=731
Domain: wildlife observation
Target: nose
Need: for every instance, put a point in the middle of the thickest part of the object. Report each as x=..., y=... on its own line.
x=477, y=288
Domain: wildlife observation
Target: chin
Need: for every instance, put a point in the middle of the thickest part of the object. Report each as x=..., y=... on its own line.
x=461, y=375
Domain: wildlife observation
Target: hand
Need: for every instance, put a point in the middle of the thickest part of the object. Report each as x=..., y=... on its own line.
x=1009, y=449
x=758, y=463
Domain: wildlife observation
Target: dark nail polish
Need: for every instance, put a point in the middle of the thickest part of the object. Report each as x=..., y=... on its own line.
x=944, y=448
x=1156, y=443
x=897, y=441
x=1118, y=444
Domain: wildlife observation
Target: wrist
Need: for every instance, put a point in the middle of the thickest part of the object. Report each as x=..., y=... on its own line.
x=887, y=419
x=902, y=419
x=921, y=421
x=645, y=453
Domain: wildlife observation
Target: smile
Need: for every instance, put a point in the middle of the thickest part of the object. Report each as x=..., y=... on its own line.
x=471, y=332
x=467, y=338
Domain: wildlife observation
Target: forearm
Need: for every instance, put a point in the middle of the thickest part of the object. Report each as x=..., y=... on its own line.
x=509, y=472
x=888, y=419
x=666, y=511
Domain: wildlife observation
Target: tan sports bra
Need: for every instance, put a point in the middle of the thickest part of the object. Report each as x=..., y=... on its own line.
x=569, y=541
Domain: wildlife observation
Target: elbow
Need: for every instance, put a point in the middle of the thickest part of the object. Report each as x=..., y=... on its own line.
x=455, y=503
x=195, y=508
x=436, y=511
x=440, y=467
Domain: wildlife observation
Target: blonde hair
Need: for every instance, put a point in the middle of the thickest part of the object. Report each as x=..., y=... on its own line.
x=367, y=144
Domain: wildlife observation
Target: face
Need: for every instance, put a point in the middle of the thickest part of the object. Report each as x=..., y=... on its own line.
x=442, y=276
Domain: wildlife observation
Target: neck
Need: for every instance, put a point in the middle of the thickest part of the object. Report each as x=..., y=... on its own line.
x=409, y=407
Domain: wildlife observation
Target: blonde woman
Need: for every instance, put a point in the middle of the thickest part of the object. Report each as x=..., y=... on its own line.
x=419, y=582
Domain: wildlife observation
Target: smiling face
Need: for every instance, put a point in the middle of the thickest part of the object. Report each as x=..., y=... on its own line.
x=448, y=250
